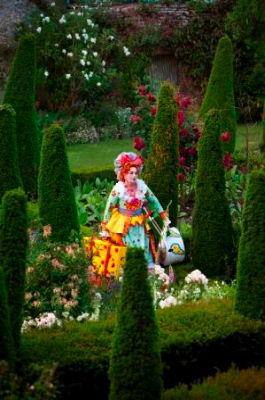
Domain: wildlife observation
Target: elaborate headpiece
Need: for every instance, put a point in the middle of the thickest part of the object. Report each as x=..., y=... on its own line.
x=125, y=161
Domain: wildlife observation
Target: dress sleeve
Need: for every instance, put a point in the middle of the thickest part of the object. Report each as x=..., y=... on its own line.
x=112, y=202
x=154, y=201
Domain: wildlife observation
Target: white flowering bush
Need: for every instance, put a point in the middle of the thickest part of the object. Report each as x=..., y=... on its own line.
x=76, y=59
x=195, y=287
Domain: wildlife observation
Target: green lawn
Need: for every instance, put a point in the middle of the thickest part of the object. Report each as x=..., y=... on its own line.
x=254, y=135
x=102, y=154
x=96, y=154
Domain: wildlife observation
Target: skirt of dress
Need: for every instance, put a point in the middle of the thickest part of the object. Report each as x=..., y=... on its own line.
x=137, y=237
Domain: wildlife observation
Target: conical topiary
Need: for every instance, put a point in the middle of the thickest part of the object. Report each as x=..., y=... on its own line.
x=250, y=293
x=57, y=205
x=20, y=93
x=6, y=340
x=13, y=250
x=211, y=221
x=220, y=91
x=162, y=162
x=135, y=366
x=9, y=171
x=262, y=145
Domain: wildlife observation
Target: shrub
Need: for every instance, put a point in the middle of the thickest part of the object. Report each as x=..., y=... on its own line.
x=162, y=162
x=90, y=174
x=13, y=249
x=220, y=92
x=245, y=25
x=262, y=145
x=56, y=196
x=250, y=297
x=20, y=93
x=56, y=279
x=248, y=384
x=196, y=340
x=6, y=340
x=78, y=61
x=9, y=171
x=211, y=223
x=135, y=366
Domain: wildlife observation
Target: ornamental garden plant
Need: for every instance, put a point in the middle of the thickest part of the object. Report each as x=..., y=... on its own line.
x=75, y=61
x=20, y=94
x=162, y=162
x=57, y=205
x=211, y=221
x=9, y=170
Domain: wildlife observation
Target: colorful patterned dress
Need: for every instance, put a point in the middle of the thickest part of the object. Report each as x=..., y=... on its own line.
x=125, y=221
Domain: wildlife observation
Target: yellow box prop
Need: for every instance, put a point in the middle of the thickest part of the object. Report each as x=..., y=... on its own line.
x=107, y=258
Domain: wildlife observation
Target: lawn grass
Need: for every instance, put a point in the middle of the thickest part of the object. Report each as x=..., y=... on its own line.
x=254, y=132
x=102, y=154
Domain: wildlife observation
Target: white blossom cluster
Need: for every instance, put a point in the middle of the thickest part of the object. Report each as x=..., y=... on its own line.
x=197, y=276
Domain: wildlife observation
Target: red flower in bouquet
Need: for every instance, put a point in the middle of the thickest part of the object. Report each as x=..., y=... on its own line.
x=135, y=119
x=225, y=137
x=133, y=204
x=138, y=143
x=153, y=110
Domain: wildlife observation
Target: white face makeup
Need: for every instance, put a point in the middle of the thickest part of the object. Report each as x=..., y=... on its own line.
x=131, y=177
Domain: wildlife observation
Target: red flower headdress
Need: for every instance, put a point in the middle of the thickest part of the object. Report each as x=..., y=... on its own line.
x=127, y=159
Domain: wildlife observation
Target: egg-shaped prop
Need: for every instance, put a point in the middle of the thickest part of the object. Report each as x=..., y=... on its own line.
x=173, y=249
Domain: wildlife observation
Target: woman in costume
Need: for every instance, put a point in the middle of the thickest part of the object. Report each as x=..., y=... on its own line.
x=125, y=218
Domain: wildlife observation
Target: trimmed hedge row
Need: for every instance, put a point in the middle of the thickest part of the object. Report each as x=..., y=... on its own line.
x=196, y=340
x=91, y=174
x=247, y=384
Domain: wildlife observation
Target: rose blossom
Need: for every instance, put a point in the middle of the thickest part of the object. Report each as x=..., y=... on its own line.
x=138, y=143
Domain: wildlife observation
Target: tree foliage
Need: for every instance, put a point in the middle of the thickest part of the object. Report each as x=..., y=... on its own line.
x=220, y=91
x=135, y=366
x=250, y=295
x=162, y=162
x=20, y=93
x=13, y=251
x=57, y=205
x=211, y=221
x=9, y=171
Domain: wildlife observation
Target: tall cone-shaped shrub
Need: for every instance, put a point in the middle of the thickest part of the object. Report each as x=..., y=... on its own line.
x=250, y=293
x=13, y=251
x=57, y=205
x=211, y=221
x=162, y=162
x=20, y=93
x=9, y=171
x=220, y=91
x=135, y=365
x=6, y=340
x=262, y=145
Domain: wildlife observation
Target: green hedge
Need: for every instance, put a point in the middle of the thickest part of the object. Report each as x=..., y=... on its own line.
x=90, y=174
x=247, y=384
x=196, y=340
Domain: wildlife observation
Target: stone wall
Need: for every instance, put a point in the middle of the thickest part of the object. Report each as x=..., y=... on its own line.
x=12, y=13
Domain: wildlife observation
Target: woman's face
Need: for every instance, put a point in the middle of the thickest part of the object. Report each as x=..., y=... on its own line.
x=131, y=176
